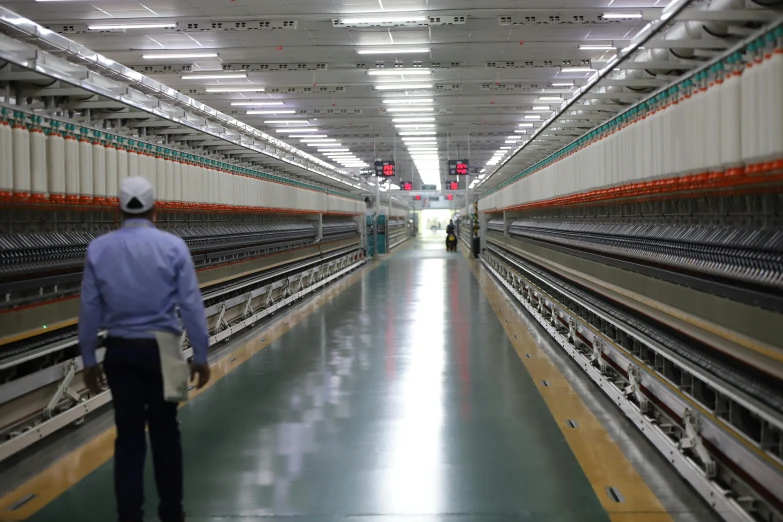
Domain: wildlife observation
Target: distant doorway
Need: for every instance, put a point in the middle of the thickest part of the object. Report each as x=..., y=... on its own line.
x=434, y=222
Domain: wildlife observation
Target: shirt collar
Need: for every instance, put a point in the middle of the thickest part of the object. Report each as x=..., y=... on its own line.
x=137, y=223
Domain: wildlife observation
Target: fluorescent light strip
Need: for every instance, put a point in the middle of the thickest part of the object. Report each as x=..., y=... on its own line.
x=541, y=109
x=597, y=47
x=395, y=72
x=292, y=122
x=112, y=27
x=297, y=130
x=528, y=124
x=521, y=131
x=307, y=136
x=256, y=104
x=410, y=109
x=576, y=69
x=174, y=56
x=230, y=76
x=333, y=150
x=414, y=140
x=276, y=111
x=620, y=16
x=532, y=117
x=549, y=98
x=402, y=86
x=416, y=126
x=408, y=102
x=318, y=140
x=563, y=84
x=235, y=89
x=412, y=120
x=417, y=133
x=392, y=20
x=394, y=50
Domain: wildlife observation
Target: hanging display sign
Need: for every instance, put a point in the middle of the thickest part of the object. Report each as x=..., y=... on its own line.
x=429, y=187
x=458, y=167
x=384, y=168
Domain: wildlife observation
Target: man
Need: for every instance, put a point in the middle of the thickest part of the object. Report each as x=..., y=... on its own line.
x=449, y=234
x=134, y=280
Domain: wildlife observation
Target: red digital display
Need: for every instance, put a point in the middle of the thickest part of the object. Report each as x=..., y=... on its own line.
x=384, y=168
x=459, y=168
x=406, y=186
x=450, y=197
x=417, y=198
x=453, y=185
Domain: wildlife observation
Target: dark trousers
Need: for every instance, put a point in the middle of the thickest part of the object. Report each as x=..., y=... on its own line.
x=132, y=367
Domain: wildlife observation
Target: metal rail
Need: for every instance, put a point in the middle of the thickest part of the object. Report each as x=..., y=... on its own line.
x=721, y=428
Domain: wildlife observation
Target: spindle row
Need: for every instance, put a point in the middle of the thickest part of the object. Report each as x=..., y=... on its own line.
x=47, y=161
x=723, y=126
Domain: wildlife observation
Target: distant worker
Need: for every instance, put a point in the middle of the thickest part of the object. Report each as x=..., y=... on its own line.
x=451, y=238
x=134, y=280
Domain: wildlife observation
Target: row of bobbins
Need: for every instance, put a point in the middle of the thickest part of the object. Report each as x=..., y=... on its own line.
x=722, y=127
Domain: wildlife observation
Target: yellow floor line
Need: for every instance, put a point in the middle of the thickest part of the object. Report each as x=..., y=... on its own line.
x=66, y=472
x=603, y=462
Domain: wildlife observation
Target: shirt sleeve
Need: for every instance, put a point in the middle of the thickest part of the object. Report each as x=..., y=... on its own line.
x=191, y=305
x=90, y=314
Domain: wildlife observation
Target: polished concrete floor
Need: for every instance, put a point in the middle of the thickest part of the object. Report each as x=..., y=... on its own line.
x=401, y=399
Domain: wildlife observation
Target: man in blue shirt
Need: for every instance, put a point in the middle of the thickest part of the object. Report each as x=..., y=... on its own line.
x=134, y=280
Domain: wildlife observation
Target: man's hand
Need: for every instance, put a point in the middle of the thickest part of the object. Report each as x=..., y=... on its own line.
x=93, y=379
x=203, y=374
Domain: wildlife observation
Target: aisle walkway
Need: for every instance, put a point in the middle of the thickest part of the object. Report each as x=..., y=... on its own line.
x=402, y=399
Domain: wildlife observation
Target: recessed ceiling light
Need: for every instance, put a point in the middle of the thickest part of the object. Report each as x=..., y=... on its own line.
x=405, y=101
x=505, y=148
x=218, y=76
x=541, y=109
x=620, y=16
x=521, y=131
x=298, y=130
x=395, y=72
x=113, y=27
x=402, y=86
x=511, y=141
x=235, y=89
x=410, y=109
x=256, y=104
x=394, y=50
x=532, y=117
x=176, y=56
x=412, y=120
x=528, y=124
x=563, y=84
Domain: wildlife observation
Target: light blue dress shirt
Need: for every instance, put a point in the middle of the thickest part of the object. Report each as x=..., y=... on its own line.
x=134, y=279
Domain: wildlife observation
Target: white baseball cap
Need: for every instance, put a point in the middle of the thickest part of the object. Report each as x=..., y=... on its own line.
x=136, y=195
